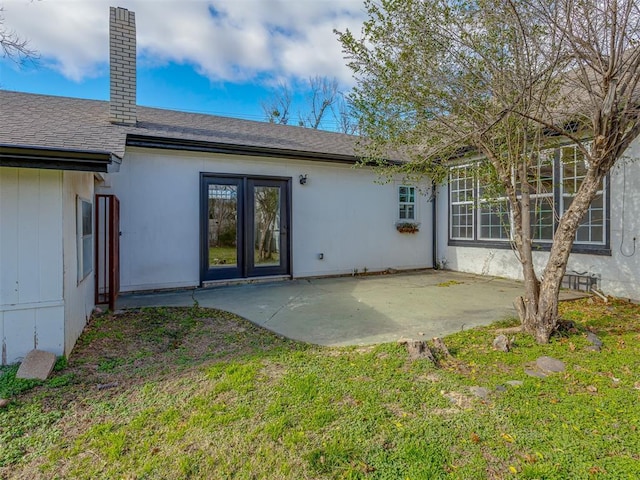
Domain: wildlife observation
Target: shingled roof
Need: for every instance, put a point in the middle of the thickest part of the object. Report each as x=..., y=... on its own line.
x=77, y=126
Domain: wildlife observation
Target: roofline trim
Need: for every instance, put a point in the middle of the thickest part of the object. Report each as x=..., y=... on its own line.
x=56, y=159
x=169, y=143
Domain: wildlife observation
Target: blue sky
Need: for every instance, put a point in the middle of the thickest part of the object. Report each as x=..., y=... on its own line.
x=214, y=56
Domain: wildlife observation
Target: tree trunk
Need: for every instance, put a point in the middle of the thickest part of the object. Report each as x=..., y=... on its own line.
x=527, y=305
x=541, y=319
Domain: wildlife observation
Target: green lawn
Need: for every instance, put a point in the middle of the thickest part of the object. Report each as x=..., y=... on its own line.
x=197, y=393
x=220, y=256
x=227, y=256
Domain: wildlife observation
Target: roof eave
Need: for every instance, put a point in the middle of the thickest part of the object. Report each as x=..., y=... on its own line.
x=57, y=159
x=235, y=149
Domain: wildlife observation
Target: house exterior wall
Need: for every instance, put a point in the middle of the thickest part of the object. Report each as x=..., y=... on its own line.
x=78, y=294
x=31, y=263
x=618, y=273
x=341, y=212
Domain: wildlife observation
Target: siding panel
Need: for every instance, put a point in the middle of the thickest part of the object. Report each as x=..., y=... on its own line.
x=28, y=236
x=19, y=333
x=31, y=289
x=49, y=253
x=8, y=235
x=49, y=325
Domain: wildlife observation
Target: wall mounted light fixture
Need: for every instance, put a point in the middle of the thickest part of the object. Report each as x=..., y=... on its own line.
x=303, y=179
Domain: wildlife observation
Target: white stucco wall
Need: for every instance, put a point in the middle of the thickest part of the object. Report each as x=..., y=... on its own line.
x=78, y=295
x=340, y=212
x=31, y=265
x=619, y=272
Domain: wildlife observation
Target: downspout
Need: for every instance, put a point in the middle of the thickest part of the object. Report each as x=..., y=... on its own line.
x=434, y=233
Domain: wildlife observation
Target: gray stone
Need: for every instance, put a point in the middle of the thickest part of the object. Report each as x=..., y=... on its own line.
x=480, y=392
x=501, y=343
x=594, y=340
x=550, y=365
x=592, y=348
x=514, y=383
x=534, y=373
x=501, y=388
x=4, y=402
x=37, y=365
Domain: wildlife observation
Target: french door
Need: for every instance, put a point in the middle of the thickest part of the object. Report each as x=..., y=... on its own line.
x=244, y=226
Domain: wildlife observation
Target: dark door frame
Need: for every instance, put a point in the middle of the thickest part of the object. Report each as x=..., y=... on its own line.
x=107, y=249
x=245, y=226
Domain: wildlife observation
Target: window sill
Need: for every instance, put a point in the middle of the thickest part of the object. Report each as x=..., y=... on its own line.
x=604, y=250
x=83, y=279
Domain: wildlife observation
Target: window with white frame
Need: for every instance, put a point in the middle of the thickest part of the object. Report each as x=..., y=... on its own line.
x=406, y=203
x=574, y=169
x=541, y=211
x=494, y=218
x=494, y=221
x=84, y=224
x=554, y=180
x=461, y=202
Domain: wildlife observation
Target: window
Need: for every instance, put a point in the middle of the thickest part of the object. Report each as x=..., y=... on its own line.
x=541, y=209
x=574, y=169
x=84, y=223
x=406, y=203
x=495, y=223
x=479, y=214
x=461, y=198
x=493, y=214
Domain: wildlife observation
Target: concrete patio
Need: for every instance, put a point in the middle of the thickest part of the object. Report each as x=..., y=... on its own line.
x=357, y=310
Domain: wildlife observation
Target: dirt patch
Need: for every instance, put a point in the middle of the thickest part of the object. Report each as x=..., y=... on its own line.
x=274, y=371
x=461, y=400
x=118, y=351
x=445, y=412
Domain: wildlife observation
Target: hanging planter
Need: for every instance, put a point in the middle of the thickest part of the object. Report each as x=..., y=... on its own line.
x=408, y=227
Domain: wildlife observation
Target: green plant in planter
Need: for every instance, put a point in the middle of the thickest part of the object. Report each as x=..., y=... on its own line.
x=408, y=227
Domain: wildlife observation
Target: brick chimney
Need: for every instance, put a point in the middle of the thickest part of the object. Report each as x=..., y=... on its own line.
x=122, y=60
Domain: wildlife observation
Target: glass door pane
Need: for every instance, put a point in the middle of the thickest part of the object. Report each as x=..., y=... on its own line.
x=266, y=226
x=222, y=224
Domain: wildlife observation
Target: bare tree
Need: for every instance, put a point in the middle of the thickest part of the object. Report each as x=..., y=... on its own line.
x=323, y=93
x=323, y=105
x=276, y=109
x=499, y=84
x=13, y=46
x=345, y=116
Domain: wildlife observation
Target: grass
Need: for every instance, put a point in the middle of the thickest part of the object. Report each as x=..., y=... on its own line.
x=223, y=256
x=198, y=393
x=227, y=256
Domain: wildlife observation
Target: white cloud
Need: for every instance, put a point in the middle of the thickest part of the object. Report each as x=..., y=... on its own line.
x=226, y=40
